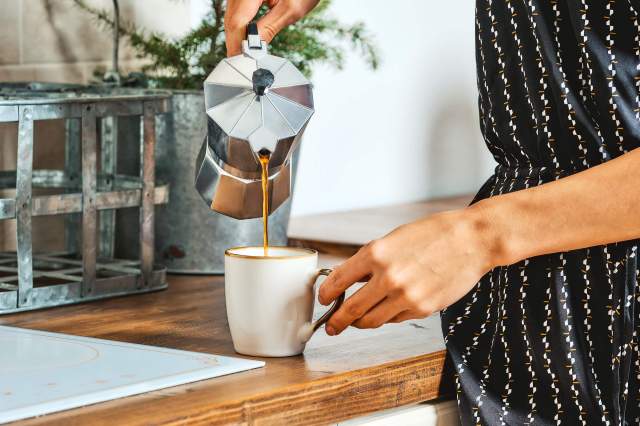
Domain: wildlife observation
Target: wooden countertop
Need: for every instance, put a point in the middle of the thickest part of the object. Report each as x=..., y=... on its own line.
x=358, y=372
x=337, y=377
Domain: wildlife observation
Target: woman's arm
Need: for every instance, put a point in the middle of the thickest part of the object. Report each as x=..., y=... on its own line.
x=425, y=266
x=597, y=206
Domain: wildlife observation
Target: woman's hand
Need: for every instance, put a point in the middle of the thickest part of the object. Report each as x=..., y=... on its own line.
x=414, y=271
x=241, y=12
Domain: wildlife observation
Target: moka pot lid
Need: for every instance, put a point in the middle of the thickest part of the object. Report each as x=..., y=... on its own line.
x=258, y=97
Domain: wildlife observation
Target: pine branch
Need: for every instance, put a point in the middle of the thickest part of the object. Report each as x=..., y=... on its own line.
x=184, y=63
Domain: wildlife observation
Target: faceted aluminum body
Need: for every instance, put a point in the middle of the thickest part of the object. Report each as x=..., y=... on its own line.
x=254, y=101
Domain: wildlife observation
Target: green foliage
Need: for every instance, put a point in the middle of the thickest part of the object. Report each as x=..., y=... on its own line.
x=184, y=63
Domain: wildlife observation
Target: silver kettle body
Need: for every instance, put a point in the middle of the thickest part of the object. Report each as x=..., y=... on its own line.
x=255, y=103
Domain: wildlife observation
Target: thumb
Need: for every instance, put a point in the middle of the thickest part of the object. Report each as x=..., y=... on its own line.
x=238, y=15
x=281, y=15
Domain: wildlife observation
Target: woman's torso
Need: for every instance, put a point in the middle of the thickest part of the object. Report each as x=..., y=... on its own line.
x=553, y=339
x=558, y=84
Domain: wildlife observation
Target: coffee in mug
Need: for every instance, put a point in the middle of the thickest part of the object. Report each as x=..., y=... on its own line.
x=270, y=299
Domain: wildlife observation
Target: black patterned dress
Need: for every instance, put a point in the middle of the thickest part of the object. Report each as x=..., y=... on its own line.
x=553, y=339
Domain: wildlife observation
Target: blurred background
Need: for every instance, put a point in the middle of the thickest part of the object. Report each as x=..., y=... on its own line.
x=407, y=131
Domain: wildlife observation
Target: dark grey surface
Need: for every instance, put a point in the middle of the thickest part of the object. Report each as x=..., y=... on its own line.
x=30, y=281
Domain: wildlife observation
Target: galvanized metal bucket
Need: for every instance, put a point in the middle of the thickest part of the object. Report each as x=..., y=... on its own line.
x=190, y=237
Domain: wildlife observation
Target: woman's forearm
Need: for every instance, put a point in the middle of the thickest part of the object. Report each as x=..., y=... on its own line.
x=428, y=265
x=597, y=206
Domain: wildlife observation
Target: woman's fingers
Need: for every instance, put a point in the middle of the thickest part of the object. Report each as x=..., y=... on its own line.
x=355, y=307
x=238, y=15
x=343, y=276
x=241, y=12
x=281, y=15
x=380, y=314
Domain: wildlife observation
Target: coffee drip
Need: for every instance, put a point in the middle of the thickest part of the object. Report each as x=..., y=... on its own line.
x=264, y=156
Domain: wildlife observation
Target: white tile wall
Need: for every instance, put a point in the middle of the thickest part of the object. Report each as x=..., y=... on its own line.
x=54, y=41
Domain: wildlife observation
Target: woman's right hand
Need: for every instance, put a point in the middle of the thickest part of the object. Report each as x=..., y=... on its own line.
x=241, y=12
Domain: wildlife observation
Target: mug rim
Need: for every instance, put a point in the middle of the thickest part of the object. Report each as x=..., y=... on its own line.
x=304, y=252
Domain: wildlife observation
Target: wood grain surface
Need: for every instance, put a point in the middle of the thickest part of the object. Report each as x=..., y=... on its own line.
x=358, y=372
x=340, y=377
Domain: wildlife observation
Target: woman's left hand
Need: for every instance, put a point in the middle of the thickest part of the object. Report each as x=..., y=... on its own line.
x=414, y=271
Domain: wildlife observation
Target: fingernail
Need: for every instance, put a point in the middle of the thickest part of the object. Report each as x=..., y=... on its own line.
x=330, y=330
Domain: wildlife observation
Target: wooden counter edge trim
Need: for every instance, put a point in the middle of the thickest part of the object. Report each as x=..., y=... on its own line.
x=329, y=399
x=334, y=398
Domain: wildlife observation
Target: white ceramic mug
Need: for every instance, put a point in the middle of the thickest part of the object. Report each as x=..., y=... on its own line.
x=270, y=299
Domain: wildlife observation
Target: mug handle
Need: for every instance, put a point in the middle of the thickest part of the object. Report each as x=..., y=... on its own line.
x=307, y=330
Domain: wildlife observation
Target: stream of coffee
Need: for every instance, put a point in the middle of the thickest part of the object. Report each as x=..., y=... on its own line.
x=264, y=163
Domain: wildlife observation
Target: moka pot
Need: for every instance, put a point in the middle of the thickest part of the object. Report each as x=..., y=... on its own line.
x=255, y=103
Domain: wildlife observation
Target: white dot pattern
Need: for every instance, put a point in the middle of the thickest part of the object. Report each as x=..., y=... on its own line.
x=553, y=339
